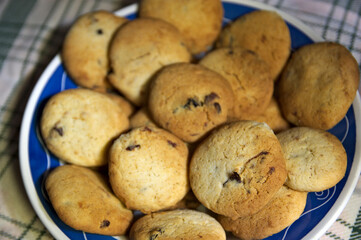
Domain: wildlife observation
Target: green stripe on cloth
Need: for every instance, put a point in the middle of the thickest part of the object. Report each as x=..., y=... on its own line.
x=339, y=32
x=328, y=20
x=14, y=8
x=333, y=235
x=356, y=229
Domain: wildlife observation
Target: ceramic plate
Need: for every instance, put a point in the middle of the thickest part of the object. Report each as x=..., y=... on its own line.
x=321, y=210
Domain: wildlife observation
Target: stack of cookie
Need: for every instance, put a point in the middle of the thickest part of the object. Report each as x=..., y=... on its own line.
x=183, y=115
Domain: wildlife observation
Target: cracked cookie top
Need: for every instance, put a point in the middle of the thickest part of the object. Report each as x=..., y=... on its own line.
x=85, y=49
x=148, y=169
x=78, y=126
x=248, y=75
x=238, y=168
x=139, y=49
x=189, y=100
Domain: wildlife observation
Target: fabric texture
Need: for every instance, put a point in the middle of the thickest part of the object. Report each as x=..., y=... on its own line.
x=31, y=34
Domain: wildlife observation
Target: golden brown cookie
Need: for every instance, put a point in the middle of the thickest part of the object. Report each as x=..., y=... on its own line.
x=138, y=50
x=177, y=225
x=83, y=200
x=272, y=116
x=78, y=125
x=85, y=48
x=199, y=21
x=189, y=100
x=237, y=169
x=248, y=75
x=264, y=32
x=148, y=169
x=315, y=159
x=318, y=85
x=283, y=209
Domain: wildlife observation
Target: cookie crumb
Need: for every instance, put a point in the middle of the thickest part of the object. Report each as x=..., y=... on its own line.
x=132, y=147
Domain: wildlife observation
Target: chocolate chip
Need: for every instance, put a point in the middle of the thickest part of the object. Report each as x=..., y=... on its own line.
x=173, y=144
x=105, y=223
x=263, y=38
x=110, y=71
x=235, y=177
x=99, y=31
x=230, y=52
x=147, y=129
x=155, y=233
x=59, y=130
x=132, y=147
x=271, y=170
x=251, y=52
x=217, y=107
x=210, y=97
x=192, y=102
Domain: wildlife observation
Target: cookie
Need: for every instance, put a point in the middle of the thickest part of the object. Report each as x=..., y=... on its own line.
x=315, y=159
x=248, y=75
x=237, y=169
x=148, y=169
x=272, y=116
x=177, y=225
x=318, y=85
x=283, y=209
x=139, y=49
x=199, y=21
x=123, y=103
x=83, y=200
x=189, y=100
x=141, y=118
x=264, y=32
x=85, y=48
x=78, y=125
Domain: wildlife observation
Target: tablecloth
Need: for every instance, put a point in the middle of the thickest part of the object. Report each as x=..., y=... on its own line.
x=31, y=34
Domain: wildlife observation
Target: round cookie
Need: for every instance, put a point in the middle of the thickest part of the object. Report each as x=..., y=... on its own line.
x=148, y=169
x=272, y=116
x=78, y=125
x=315, y=159
x=318, y=85
x=139, y=49
x=189, y=100
x=177, y=225
x=199, y=21
x=248, y=75
x=264, y=32
x=85, y=48
x=83, y=200
x=283, y=209
x=237, y=169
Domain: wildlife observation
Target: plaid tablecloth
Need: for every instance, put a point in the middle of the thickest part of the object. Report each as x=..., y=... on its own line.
x=31, y=34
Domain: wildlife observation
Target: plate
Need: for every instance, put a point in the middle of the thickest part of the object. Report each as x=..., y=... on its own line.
x=321, y=210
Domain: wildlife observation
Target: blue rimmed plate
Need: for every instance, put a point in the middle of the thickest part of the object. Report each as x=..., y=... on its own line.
x=321, y=210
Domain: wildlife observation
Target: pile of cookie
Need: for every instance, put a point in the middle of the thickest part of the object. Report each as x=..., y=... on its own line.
x=199, y=128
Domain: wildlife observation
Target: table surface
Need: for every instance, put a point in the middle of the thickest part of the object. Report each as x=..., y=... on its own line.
x=31, y=34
